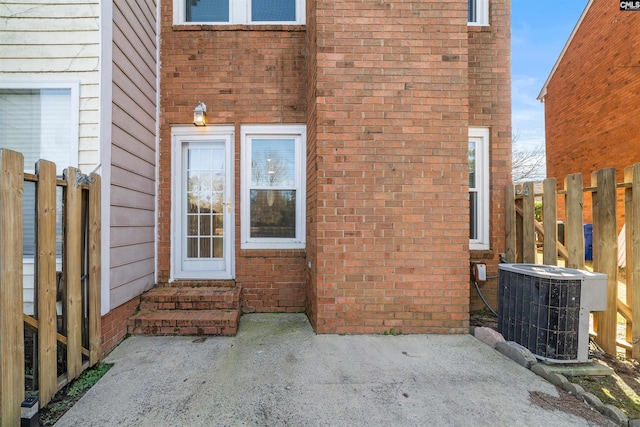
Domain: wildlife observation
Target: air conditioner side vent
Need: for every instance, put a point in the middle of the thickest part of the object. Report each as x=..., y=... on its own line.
x=543, y=309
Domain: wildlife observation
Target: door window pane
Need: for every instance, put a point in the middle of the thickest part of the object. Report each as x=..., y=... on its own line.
x=205, y=201
x=207, y=10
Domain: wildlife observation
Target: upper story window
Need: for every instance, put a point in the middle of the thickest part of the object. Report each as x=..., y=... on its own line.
x=479, y=188
x=228, y=12
x=478, y=12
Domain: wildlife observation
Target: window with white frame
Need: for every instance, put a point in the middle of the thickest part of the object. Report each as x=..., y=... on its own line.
x=478, y=12
x=223, y=12
x=39, y=120
x=273, y=187
x=479, y=188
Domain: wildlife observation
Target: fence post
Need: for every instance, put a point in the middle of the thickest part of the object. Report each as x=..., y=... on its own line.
x=528, y=226
x=95, y=319
x=11, y=323
x=45, y=275
x=510, y=225
x=605, y=248
x=632, y=196
x=550, y=222
x=72, y=259
x=573, y=228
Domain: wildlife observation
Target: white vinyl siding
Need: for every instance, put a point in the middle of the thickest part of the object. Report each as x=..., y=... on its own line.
x=132, y=151
x=44, y=41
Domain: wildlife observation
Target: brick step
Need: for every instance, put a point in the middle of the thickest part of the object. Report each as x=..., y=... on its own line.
x=205, y=298
x=184, y=322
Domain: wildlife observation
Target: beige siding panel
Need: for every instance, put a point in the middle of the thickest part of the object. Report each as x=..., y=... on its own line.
x=130, y=217
x=138, y=91
x=121, y=294
x=122, y=274
x=126, y=160
x=131, y=253
x=129, y=61
x=133, y=155
x=131, y=37
x=129, y=179
x=124, y=120
x=132, y=112
x=125, y=197
x=123, y=236
x=122, y=138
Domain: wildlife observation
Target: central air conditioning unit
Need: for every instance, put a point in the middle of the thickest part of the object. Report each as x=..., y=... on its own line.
x=546, y=309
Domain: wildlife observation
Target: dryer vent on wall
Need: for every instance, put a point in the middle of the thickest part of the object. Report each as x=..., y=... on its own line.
x=546, y=309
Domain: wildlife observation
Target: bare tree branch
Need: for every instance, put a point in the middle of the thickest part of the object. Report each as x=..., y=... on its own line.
x=528, y=164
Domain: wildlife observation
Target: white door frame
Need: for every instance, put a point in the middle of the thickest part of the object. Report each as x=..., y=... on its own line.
x=209, y=134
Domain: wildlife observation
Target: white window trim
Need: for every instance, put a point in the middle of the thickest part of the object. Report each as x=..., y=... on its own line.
x=179, y=135
x=481, y=137
x=74, y=87
x=482, y=14
x=299, y=132
x=239, y=13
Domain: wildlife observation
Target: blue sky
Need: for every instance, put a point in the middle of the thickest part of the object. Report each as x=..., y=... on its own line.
x=540, y=29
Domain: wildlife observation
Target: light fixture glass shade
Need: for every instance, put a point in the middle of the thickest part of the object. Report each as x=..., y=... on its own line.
x=200, y=114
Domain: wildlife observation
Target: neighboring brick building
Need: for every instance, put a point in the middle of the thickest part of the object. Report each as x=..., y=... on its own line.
x=338, y=147
x=591, y=98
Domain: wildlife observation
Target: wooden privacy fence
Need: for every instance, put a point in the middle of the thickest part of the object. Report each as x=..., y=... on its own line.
x=524, y=234
x=76, y=327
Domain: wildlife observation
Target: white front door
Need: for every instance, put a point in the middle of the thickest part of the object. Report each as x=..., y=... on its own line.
x=203, y=203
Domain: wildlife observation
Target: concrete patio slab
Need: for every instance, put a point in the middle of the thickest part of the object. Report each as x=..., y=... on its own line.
x=278, y=372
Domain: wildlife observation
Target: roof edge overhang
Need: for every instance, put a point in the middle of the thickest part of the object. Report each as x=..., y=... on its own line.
x=543, y=91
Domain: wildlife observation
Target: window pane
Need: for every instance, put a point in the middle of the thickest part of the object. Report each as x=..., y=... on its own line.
x=273, y=163
x=207, y=11
x=36, y=123
x=273, y=10
x=472, y=164
x=273, y=213
x=473, y=215
x=46, y=132
x=473, y=7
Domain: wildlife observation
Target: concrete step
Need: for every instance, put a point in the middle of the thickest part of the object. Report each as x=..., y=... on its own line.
x=183, y=298
x=184, y=322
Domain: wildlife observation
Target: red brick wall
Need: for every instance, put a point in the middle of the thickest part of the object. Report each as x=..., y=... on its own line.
x=114, y=324
x=490, y=106
x=592, y=99
x=392, y=211
x=245, y=75
x=388, y=91
x=312, y=160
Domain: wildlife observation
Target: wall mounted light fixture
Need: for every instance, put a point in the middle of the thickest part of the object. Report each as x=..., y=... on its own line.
x=200, y=114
